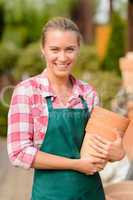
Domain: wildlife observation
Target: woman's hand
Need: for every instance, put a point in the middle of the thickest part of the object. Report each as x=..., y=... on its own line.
x=116, y=150
x=105, y=149
x=89, y=165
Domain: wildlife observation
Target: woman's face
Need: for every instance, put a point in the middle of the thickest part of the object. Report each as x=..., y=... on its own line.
x=60, y=50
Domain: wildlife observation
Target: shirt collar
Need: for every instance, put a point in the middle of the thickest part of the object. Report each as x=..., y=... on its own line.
x=46, y=89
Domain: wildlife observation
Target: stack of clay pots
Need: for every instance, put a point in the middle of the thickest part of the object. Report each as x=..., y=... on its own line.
x=104, y=123
x=126, y=66
x=119, y=191
x=128, y=141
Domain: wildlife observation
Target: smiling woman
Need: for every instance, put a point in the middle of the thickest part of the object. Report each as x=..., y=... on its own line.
x=60, y=52
x=47, y=120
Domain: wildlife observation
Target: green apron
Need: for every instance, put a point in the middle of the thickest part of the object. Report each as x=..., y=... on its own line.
x=64, y=137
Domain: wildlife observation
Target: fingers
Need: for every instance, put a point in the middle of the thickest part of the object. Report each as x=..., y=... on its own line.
x=104, y=149
x=96, y=160
x=99, y=150
x=100, y=167
x=98, y=155
x=95, y=169
x=92, y=172
x=101, y=140
x=91, y=165
x=100, y=147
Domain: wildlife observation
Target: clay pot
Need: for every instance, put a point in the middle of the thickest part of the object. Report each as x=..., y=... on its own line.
x=130, y=109
x=104, y=123
x=106, y=118
x=126, y=66
x=119, y=191
x=128, y=141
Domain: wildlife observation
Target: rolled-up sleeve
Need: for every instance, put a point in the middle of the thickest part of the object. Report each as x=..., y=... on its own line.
x=20, y=146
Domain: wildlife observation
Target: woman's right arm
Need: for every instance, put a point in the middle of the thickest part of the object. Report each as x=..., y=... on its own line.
x=49, y=161
x=20, y=148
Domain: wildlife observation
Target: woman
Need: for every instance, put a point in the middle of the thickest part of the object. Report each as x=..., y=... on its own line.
x=47, y=119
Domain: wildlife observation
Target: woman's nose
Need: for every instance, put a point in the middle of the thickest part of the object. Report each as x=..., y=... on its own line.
x=62, y=56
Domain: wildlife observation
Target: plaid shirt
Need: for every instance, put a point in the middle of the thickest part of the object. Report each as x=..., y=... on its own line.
x=28, y=115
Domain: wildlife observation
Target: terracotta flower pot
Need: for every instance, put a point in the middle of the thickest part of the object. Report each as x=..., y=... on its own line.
x=128, y=141
x=126, y=66
x=104, y=123
x=130, y=109
x=117, y=191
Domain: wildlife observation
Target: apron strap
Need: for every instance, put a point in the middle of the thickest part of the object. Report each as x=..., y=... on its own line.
x=49, y=103
x=83, y=102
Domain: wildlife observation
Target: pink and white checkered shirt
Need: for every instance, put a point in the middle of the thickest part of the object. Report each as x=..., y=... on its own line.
x=28, y=115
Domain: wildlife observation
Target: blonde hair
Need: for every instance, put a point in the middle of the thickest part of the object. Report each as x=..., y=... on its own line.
x=60, y=23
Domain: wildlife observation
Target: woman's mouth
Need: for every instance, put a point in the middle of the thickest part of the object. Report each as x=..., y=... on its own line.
x=62, y=66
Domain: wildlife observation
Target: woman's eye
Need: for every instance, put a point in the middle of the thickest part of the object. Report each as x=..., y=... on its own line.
x=70, y=50
x=54, y=50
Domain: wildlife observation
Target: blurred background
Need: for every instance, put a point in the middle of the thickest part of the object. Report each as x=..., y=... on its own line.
x=105, y=61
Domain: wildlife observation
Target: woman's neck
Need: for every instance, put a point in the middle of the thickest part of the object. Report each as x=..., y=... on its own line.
x=59, y=82
x=61, y=86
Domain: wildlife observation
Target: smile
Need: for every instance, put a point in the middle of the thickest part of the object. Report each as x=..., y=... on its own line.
x=62, y=66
